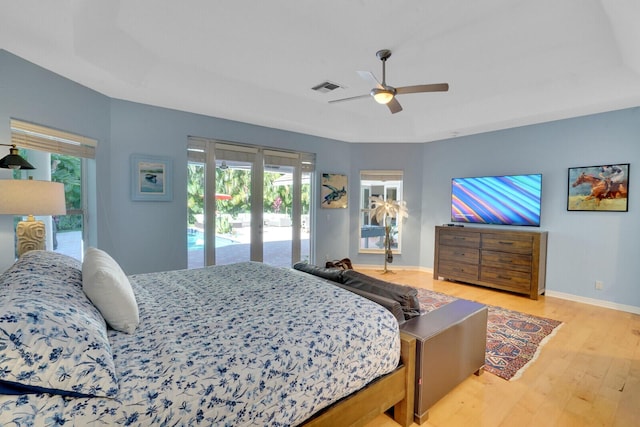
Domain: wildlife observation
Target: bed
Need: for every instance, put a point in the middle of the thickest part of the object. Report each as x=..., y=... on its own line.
x=241, y=344
x=450, y=333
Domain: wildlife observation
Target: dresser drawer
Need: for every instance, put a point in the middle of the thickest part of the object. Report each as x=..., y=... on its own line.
x=515, y=280
x=458, y=270
x=467, y=240
x=508, y=243
x=459, y=254
x=507, y=260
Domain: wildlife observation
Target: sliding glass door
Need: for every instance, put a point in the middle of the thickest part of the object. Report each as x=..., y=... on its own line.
x=254, y=207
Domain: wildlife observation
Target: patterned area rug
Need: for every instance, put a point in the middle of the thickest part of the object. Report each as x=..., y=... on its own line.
x=514, y=339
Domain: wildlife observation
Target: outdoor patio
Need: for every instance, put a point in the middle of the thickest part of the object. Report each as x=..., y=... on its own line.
x=277, y=253
x=276, y=248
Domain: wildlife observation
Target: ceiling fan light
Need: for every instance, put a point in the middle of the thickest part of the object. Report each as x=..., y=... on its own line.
x=382, y=96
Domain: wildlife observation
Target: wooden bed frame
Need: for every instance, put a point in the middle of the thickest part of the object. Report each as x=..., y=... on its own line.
x=396, y=389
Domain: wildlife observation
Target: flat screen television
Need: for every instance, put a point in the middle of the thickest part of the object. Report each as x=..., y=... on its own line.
x=504, y=200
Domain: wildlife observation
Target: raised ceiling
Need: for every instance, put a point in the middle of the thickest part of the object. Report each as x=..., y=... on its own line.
x=508, y=62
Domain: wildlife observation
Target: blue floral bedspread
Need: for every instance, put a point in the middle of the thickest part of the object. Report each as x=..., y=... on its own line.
x=232, y=345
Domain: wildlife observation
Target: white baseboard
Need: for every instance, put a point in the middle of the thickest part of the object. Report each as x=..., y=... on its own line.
x=392, y=267
x=593, y=301
x=555, y=294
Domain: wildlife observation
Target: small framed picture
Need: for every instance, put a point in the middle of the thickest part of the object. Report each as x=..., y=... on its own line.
x=333, y=192
x=151, y=178
x=599, y=188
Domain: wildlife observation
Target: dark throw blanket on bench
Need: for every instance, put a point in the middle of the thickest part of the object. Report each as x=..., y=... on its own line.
x=405, y=296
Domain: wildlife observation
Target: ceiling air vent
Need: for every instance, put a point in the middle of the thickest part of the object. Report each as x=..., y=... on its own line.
x=325, y=87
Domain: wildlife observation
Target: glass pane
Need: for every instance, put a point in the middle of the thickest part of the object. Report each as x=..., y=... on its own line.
x=371, y=235
x=277, y=210
x=233, y=211
x=305, y=225
x=67, y=229
x=195, y=215
x=392, y=193
x=67, y=235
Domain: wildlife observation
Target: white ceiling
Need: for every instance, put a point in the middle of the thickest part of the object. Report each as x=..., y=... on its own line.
x=508, y=62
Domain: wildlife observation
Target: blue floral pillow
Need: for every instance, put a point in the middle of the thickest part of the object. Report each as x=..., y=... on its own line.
x=52, y=338
x=46, y=263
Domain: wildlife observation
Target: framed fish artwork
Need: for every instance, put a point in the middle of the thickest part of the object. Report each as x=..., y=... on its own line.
x=151, y=178
x=333, y=191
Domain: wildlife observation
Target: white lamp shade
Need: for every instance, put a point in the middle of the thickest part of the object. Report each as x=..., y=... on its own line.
x=31, y=197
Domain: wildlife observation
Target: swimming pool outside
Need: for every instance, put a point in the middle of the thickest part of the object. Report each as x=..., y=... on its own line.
x=236, y=248
x=195, y=240
x=277, y=247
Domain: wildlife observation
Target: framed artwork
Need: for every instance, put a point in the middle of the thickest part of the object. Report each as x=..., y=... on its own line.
x=151, y=178
x=599, y=188
x=333, y=191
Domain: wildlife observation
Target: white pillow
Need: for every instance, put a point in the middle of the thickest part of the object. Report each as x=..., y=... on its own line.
x=108, y=288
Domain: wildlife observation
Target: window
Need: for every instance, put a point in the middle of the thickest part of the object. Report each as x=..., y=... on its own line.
x=67, y=158
x=388, y=185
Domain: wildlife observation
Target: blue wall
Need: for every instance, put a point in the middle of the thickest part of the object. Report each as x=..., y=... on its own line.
x=145, y=236
x=404, y=157
x=151, y=236
x=30, y=93
x=583, y=246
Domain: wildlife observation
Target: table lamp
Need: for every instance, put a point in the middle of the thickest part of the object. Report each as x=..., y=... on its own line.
x=31, y=197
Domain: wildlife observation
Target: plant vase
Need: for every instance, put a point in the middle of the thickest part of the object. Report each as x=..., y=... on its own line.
x=388, y=253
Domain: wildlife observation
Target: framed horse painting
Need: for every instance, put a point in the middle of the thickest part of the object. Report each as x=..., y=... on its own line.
x=599, y=188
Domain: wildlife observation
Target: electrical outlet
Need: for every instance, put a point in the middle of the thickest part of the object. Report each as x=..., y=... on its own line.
x=599, y=285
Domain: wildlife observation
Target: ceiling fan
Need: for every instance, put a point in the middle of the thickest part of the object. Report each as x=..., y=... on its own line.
x=385, y=94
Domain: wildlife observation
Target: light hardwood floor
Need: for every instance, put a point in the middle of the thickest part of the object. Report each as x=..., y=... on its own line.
x=588, y=374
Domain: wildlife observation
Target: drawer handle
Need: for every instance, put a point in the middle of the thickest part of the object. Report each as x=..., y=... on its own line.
x=458, y=238
x=500, y=276
x=506, y=243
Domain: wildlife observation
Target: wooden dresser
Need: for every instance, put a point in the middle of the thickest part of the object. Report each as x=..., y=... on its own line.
x=503, y=259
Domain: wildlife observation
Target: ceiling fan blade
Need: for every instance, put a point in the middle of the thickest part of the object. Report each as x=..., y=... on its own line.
x=436, y=87
x=368, y=76
x=350, y=98
x=394, y=106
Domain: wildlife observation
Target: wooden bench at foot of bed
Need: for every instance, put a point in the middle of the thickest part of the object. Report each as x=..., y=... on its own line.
x=395, y=389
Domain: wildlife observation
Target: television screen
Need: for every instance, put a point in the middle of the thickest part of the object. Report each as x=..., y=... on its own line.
x=508, y=200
